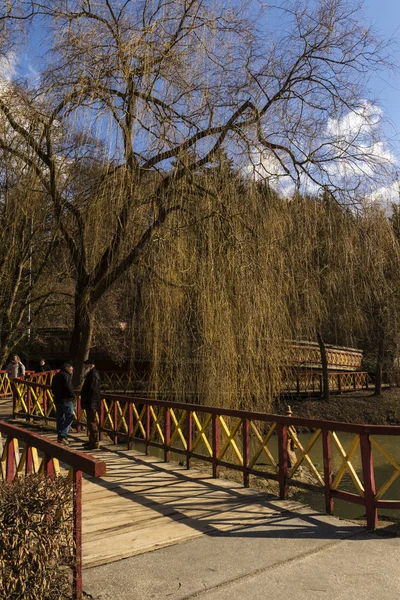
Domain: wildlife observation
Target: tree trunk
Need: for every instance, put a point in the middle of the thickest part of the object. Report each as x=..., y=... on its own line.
x=324, y=364
x=81, y=335
x=379, y=362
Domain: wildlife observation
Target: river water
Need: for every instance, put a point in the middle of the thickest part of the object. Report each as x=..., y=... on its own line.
x=382, y=468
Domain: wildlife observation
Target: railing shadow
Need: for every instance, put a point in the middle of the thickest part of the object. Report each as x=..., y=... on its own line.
x=220, y=510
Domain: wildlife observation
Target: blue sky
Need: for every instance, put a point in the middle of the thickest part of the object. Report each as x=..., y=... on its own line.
x=385, y=16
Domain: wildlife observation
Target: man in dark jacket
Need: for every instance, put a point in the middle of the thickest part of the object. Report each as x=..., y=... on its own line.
x=64, y=397
x=90, y=401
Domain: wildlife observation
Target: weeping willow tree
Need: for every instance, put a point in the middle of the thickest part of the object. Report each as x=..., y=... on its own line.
x=323, y=262
x=27, y=241
x=138, y=99
x=379, y=264
x=210, y=314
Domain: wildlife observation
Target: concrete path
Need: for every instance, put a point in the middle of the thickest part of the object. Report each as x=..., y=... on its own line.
x=297, y=554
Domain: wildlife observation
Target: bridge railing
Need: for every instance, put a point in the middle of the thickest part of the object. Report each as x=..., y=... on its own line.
x=312, y=382
x=23, y=453
x=256, y=444
x=301, y=382
x=43, y=377
x=5, y=383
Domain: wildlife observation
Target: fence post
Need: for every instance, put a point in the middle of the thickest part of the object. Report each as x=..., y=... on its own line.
x=167, y=434
x=339, y=381
x=327, y=456
x=130, y=425
x=10, y=466
x=148, y=429
x=48, y=466
x=215, y=445
x=283, y=461
x=369, y=481
x=44, y=396
x=246, y=446
x=115, y=421
x=29, y=460
x=77, y=570
x=14, y=398
x=79, y=414
x=189, y=440
x=28, y=400
x=101, y=419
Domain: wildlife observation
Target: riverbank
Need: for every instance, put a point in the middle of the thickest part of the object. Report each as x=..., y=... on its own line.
x=354, y=407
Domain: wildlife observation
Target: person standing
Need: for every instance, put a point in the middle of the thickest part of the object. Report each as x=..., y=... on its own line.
x=64, y=397
x=15, y=368
x=43, y=366
x=90, y=401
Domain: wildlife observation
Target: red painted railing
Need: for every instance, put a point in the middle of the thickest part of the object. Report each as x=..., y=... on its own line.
x=311, y=382
x=43, y=377
x=40, y=455
x=5, y=383
x=240, y=440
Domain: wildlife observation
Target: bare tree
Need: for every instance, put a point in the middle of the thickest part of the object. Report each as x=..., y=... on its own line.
x=140, y=96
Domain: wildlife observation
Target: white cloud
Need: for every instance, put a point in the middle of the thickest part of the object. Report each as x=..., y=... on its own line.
x=385, y=197
x=355, y=123
x=351, y=152
x=8, y=69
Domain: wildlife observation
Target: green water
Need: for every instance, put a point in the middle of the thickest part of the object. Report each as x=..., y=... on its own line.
x=382, y=468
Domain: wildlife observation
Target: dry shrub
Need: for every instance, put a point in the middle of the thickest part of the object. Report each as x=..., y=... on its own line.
x=36, y=543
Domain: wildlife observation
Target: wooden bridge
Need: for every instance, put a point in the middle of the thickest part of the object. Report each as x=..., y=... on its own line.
x=146, y=502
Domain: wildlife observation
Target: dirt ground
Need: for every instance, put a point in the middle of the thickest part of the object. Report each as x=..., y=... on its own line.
x=352, y=407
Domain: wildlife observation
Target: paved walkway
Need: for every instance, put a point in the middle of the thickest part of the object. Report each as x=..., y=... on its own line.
x=297, y=556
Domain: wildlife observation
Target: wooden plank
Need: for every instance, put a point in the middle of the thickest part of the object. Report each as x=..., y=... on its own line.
x=144, y=504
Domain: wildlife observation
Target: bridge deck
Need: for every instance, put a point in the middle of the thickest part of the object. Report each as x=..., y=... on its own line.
x=144, y=504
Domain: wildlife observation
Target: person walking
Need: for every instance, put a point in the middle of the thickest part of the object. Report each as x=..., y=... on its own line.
x=15, y=368
x=64, y=397
x=90, y=402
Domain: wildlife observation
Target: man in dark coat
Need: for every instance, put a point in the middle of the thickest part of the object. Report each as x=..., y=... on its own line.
x=64, y=397
x=90, y=401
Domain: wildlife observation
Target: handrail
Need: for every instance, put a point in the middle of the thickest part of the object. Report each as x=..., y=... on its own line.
x=238, y=439
x=15, y=464
x=299, y=382
x=5, y=383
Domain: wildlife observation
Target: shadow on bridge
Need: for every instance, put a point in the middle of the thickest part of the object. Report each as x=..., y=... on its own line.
x=144, y=503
